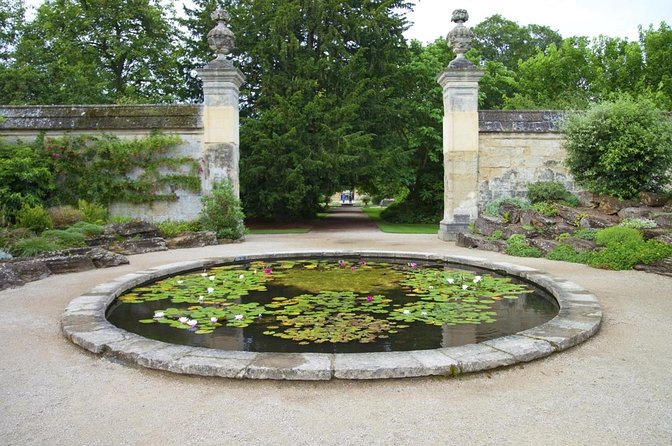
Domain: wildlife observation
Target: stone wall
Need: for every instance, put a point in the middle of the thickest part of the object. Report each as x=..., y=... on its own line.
x=135, y=121
x=517, y=148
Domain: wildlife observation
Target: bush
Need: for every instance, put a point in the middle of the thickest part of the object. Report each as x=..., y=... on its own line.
x=586, y=234
x=550, y=191
x=223, y=213
x=171, y=228
x=625, y=248
x=518, y=246
x=410, y=212
x=64, y=239
x=545, y=208
x=492, y=208
x=33, y=246
x=496, y=235
x=567, y=253
x=620, y=148
x=64, y=216
x=35, y=218
x=86, y=229
x=93, y=212
x=25, y=179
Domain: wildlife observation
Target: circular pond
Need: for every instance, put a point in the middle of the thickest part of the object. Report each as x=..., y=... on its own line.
x=332, y=305
x=324, y=315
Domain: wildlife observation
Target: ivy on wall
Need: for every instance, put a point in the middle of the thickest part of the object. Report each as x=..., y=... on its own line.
x=104, y=168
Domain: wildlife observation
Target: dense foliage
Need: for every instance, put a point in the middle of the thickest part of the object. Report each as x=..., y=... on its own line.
x=222, y=212
x=620, y=147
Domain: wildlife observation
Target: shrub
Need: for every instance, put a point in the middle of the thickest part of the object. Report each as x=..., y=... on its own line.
x=35, y=218
x=93, y=212
x=619, y=148
x=33, y=246
x=120, y=219
x=410, y=212
x=86, y=229
x=518, y=246
x=492, y=208
x=550, y=191
x=545, y=208
x=567, y=253
x=223, y=213
x=638, y=223
x=64, y=216
x=171, y=228
x=64, y=239
x=586, y=234
x=496, y=235
x=25, y=179
x=625, y=248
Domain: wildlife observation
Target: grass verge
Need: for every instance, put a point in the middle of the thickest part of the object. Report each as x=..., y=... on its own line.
x=399, y=228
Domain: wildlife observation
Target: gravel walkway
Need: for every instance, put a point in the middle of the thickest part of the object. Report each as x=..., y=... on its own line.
x=614, y=389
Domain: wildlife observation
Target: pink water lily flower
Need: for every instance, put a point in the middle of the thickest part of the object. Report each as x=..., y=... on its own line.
x=353, y=268
x=213, y=319
x=192, y=322
x=238, y=317
x=183, y=319
x=369, y=298
x=413, y=265
x=268, y=271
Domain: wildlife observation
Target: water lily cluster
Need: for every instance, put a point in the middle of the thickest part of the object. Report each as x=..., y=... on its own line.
x=339, y=301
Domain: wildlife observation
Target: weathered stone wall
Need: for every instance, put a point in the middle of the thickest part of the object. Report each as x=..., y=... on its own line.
x=517, y=148
x=27, y=122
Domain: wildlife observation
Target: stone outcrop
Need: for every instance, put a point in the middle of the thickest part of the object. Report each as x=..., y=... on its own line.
x=140, y=246
x=653, y=199
x=192, y=240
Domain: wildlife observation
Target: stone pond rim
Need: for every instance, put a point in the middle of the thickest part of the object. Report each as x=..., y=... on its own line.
x=84, y=323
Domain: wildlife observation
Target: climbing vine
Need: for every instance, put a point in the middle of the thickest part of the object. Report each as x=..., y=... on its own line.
x=103, y=169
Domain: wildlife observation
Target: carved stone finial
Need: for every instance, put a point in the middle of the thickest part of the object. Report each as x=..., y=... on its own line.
x=221, y=39
x=460, y=39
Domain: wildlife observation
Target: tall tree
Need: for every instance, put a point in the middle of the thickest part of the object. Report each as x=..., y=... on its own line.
x=99, y=51
x=656, y=44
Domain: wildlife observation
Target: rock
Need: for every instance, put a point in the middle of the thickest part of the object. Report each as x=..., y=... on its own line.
x=560, y=228
x=652, y=199
x=510, y=230
x=636, y=212
x=611, y=205
x=140, y=229
x=30, y=270
x=543, y=244
x=103, y=258
x=480, y=242
x=653, y=233
x=140, y=246
x=663, y=220
x=510, y=212
x=663, y=267
x=100, y=240
x=665, y=238
x=8, y=277
x=487, y=225
x=579, y=245
x=69, y=264
x=570, y=215
x=193, y=240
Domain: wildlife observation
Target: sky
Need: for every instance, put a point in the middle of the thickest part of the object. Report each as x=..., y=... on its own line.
x=613, y=18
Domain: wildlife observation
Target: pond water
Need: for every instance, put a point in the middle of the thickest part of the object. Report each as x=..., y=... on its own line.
x=340, y=305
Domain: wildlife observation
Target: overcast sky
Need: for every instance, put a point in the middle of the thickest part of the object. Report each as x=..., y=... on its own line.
x=613, y=18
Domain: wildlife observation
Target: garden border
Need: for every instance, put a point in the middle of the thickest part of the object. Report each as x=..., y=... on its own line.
x=84, y=323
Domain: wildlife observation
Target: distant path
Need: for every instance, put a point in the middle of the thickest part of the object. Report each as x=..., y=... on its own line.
x=345, y=218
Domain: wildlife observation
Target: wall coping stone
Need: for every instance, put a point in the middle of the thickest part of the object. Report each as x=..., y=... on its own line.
x=101, y=117
x=84, y=323
x=520, y=121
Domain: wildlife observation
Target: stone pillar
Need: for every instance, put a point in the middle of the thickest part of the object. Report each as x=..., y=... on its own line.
x=460, y=134
x=221, y=85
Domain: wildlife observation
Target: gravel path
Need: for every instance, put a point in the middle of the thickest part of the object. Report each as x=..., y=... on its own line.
x=614, y=389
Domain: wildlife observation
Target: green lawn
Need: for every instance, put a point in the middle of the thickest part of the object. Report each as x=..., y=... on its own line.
x=399, y=228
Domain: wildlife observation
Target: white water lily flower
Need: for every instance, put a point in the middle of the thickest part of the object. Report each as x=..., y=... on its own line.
x=241, y=277
x=211, y=290
x=450, y=281
x=204, y=274
x=238, y=317
x=180, y=282
x=464, y=287
x=212, y=278
x=407, y=312
x=431, y=287
x=159, y=314
x=213, y=319
x=424, y=313
x=200, y=298
x=192, y=322
x=477, y=279
x=183, y=319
